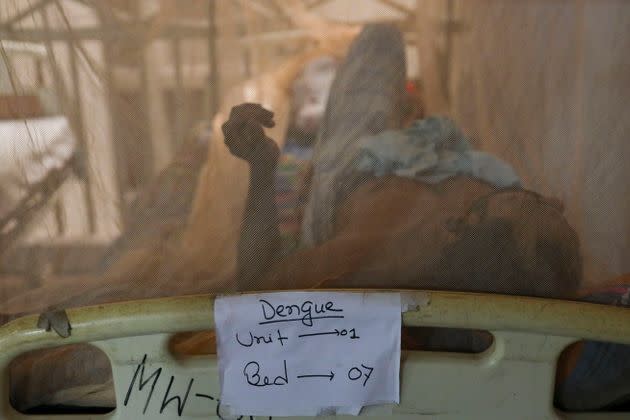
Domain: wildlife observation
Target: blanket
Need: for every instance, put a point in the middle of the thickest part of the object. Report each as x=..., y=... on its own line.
x=430, y=150
x=600, y=376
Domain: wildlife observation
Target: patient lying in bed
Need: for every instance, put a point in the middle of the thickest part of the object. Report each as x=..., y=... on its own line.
x=396, y=203
x=392, y=207
x=440, y=216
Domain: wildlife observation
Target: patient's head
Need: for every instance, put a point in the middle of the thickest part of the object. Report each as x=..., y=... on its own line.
x=527, y=245
x=548, y=247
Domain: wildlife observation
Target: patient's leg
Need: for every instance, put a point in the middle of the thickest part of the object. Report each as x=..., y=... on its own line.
x=260, y=238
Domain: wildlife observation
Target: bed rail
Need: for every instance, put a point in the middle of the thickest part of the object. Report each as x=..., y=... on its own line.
x=514, y=378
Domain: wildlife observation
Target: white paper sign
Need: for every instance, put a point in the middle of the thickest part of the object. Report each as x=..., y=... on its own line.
x=308, y=353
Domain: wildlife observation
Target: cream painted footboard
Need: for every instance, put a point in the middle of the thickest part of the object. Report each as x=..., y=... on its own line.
x=513, y=379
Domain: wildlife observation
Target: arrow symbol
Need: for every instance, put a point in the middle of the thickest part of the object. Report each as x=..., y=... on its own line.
x=336, y=332
x=330, y=377
x=352, y=334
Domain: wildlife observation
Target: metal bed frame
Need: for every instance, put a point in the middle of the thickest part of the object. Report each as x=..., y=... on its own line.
x=512, y=379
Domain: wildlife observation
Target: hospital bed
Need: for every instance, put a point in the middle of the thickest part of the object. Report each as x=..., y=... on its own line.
x=513, y=378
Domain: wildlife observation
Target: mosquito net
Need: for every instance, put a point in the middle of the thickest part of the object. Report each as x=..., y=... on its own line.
x=155, y=148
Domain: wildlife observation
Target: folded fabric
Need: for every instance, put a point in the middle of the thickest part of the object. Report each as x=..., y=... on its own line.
x=431, y=150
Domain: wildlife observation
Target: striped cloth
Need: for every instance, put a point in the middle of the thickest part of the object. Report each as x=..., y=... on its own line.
x=290, y=178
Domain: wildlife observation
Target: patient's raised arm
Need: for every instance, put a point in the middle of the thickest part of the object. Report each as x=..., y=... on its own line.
x=259, y=241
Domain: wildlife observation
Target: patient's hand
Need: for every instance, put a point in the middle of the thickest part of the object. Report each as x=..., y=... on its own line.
x=260, y=238
x=245, y=137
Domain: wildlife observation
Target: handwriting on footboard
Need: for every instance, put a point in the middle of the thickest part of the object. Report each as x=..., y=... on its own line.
x=281, y=354
x=144, y=382
x=255, y=378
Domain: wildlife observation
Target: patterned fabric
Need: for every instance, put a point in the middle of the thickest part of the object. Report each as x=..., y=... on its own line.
x=616, y=295
x=290, y=178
